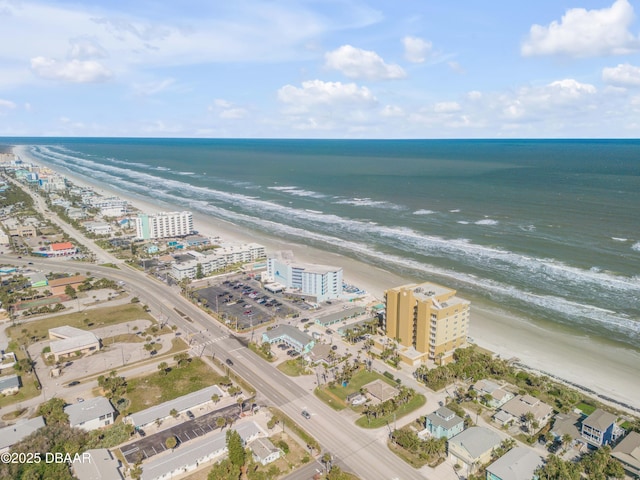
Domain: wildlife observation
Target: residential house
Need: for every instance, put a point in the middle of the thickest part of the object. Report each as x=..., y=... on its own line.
x=473, y=447
x=517, y=409
x=519, y=463
x=598, y=428
x=264, y=451
x=9, y=385
x=444, y=423
x=627, y=452
x=97, y=464
x=13, y=434
x=492, y=393
x=91, y=414
x=567, y=424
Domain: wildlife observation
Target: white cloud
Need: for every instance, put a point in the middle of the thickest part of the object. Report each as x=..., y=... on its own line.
x=585, y=33
x=416, y=50
x=75, y=71
x=86, y=48
x=227, y=110
x=6, y=105
x=456, y=67
x=392, y=111
x=153, y=88
x=447, y=107
x=333, y=94
x=357, y=63
x=622, y=75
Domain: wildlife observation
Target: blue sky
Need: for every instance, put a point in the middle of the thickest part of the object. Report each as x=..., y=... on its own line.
x=320, y=69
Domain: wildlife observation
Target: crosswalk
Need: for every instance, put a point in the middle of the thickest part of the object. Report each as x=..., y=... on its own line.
x=201, y=345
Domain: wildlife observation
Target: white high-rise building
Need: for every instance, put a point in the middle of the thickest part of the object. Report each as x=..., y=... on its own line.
x=320, y=281
x=164, y=225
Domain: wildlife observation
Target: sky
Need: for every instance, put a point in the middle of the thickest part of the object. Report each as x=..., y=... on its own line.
x=320, y=68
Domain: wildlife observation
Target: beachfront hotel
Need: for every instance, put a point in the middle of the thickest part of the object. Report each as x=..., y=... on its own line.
x=427, y=318
x=164, y=225
x=318, y=281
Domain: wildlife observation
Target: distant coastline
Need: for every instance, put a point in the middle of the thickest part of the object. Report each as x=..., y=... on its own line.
x=609, y=370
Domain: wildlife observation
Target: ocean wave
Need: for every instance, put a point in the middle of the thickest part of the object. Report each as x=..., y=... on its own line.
x=298, y=192
x=618, y=239
x=486, y=221
x=527, y=228
x=368, y=202
x=424, y=212
x=636, y=247
x=455, y=210
x=185, y=173
x=463, y=222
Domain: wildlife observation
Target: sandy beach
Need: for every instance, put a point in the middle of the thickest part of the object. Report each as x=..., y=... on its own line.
x=608, y=369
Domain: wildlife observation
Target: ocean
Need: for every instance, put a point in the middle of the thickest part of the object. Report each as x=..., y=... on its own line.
x=546, y=228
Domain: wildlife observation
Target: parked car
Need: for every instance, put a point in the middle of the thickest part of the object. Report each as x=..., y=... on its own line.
x=190, y=415
x=74, y=383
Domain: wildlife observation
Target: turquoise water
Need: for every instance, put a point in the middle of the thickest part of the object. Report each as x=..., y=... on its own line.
x=549, y=228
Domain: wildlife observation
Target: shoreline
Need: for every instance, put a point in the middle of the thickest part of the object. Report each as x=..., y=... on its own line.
x=600, y=369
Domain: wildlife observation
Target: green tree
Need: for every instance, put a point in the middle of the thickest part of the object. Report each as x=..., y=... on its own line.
x=163, y=367
x=237, y=453
x=224, y=470
x=171, y=442
x=53, y=411
x=70, y=291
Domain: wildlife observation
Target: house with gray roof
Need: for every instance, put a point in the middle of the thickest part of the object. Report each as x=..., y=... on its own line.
x=264, y=451
x=519, y=463
x=493, y=394
x=444, y=423
x=473, y=447
x=9, y=385
x=100, y=465
x=91, y=414
x=200, y=451
x=180, y=404
x=518, y=407
x=598, y=428
x=627, y=452
x=297, y=340
x=13, y=434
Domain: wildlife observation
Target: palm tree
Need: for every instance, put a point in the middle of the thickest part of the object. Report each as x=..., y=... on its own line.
x=215, y=398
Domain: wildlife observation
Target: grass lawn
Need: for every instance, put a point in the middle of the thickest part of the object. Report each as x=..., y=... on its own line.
x=98, y=317
x=411, y=458
x=144, y=392
x=336, y=397
x=586, y=408
x=415, y=403
x=293, y=368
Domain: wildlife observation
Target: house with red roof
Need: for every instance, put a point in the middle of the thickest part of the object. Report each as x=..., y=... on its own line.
x=61, y=249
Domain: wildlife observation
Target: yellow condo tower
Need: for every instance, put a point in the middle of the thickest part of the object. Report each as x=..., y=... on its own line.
x=427, y=317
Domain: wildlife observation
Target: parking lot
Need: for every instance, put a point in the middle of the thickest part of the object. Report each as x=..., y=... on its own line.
x=245, y=303
x=154, y=444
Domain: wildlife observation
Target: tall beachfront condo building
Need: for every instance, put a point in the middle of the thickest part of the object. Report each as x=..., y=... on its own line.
x=428, y=317
x=164, y=225
x=318, y=281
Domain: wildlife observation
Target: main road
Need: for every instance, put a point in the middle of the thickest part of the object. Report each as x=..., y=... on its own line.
x=361, y=451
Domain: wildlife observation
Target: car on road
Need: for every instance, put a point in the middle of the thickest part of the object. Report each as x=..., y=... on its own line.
x=30, y=263
x=335, y=347
x=74, y=383
x=328, y=331
x=141, y=432
x=306, y=414
x=190, y=415
x=229, y=362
